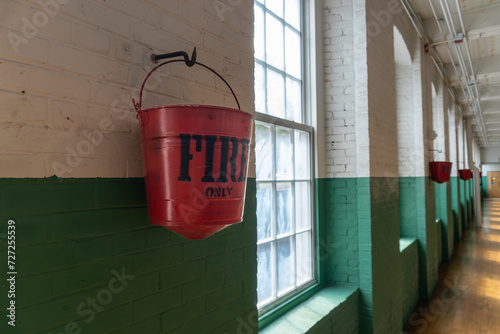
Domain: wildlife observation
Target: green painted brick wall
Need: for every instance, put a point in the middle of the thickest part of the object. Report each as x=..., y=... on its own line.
x=456, y=207
x=407, y=207
x=470, y=184
x=334, y=309
x=343, y=320
x=445, y=214
x=341, y=226
x=365, y=256
x=74, y=235
x=417, y=214
x=439, y=240
x=463, y=203
x=427, y=239
x=386, y=260
x=484, y=186
x=409, y=276
x=362, y=224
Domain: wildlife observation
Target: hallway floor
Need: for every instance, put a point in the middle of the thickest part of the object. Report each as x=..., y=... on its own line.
x=467, y=298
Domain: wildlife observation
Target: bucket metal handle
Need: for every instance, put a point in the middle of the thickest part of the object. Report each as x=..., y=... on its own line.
x=138, y=106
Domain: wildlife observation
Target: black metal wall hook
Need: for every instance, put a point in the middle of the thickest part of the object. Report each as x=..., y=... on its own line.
x=189, y=62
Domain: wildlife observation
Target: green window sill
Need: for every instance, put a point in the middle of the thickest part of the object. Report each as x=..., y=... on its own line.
x=323, y=309
x=405, y=243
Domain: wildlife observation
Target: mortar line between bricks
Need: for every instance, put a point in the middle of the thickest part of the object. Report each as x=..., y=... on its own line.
x=78, y=319
x=124, y=255
x=38, y=213
x=93, y=289
x=52, y=67
x=81, y=237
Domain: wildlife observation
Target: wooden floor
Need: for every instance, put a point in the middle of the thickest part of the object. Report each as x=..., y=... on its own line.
x=467, y=298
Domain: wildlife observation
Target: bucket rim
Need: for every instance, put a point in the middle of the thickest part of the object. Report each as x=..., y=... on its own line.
x=442, y=162
x=206, y=106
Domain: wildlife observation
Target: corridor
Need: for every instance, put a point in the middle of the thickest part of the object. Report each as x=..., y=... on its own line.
x=467, y=298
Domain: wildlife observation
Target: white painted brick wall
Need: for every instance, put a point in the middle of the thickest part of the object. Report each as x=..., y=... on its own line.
x=381, y=93
x=405, y=118
x=73, y=71
x=452, y=125
x=340, y=115
x=360, y=101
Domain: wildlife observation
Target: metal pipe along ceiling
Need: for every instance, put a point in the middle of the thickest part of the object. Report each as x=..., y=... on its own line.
x=472, y=93
x=428, y=41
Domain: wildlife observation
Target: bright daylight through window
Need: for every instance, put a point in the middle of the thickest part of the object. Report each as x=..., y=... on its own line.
x=285, y=241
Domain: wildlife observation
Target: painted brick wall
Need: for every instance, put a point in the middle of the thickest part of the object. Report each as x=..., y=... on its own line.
x=71, y=242
x=342, y=231
x=68, y=72
x=340, y=130
x=407, y=207
x=383, y=221
x=406, y=123
x=409, y=277
x=484, y=186
x=344, y=319
x=341, y=191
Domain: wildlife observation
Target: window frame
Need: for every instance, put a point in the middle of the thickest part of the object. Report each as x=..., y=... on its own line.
x=309, y=87
x=280, y=122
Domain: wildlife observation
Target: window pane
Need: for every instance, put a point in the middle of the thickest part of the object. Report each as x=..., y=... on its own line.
x=276, y=6
x=292, y=40
x=302, y=155
x=293, y=100
x=292, y=13
x=274, y=42
x=275, y=94
x=259, y=34
x=285, y=272
x=304, y=257
x=263, y=151
x=264, y=273
x=264, y=210
x=260, y=89
x=284, y=207
x=302, y=206
x=284, y=154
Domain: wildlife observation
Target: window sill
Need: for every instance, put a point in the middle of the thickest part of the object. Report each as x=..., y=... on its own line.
x=334, y=306
x=405, y=243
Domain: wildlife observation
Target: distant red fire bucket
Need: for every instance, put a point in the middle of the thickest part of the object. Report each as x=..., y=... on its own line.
x=195, y=160
x=465, y=174
x=440, y=171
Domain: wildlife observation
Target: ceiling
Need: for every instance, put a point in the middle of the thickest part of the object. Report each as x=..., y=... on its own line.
x=471, y=66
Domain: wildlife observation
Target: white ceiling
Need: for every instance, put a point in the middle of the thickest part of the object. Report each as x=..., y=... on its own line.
x=481, y=20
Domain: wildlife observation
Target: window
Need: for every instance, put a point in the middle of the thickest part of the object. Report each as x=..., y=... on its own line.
x=285, y=232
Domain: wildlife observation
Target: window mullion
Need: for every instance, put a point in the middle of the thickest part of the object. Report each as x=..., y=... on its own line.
x=275, y=217
x=294, y=259
x=274, y=270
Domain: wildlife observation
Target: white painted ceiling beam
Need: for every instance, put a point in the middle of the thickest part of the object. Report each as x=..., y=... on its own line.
x=481, y=22
x=487, y=72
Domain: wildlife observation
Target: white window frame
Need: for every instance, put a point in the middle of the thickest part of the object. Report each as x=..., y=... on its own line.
x=307, y=117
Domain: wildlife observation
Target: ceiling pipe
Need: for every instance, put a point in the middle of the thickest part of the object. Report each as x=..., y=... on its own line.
x=427, y=41
x=441, y=68
x=466, y=40
x=449, y=54
x=476, y=108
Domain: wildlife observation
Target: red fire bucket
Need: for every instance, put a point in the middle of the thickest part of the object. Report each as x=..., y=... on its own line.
x=465, y=174
x=440, y=171
x=195, y=160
